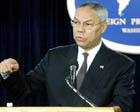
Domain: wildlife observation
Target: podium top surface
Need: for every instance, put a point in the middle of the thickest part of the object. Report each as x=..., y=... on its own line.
x=60, y=109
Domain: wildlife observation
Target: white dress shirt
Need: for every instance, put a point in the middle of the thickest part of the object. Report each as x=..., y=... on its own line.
x=92, y=53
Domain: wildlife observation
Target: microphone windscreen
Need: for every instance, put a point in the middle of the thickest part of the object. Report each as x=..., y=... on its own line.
x=73, y=62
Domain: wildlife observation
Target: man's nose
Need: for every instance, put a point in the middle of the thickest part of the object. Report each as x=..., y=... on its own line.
x=81, y=29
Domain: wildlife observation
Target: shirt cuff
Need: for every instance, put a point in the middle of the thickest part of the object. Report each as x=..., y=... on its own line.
x=5, y=76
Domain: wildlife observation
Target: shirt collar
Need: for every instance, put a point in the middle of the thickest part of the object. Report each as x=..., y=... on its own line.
x=90, y=52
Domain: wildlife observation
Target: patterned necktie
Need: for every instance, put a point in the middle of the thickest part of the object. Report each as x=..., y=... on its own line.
x=82, y=71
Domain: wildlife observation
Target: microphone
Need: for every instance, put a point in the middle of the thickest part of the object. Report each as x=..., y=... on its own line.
x=73, y=66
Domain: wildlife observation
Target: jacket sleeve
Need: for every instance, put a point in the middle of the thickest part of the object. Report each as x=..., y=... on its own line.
x=19, y=86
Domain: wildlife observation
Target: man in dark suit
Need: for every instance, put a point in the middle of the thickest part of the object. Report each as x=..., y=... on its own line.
x=107, y=81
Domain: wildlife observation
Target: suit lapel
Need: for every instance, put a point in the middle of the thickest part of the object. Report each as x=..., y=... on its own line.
x=97, y=67
x=71, y=53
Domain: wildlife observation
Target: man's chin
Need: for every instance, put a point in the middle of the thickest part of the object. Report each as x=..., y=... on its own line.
x=82, y=46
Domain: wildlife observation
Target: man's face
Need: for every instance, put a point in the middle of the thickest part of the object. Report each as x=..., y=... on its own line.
x=87, y=28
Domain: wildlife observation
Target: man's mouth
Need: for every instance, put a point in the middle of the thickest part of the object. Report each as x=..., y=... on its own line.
x=79, y=38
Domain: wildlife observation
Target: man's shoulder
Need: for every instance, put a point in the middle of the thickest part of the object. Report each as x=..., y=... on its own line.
x=116, y=55
x=62, y=49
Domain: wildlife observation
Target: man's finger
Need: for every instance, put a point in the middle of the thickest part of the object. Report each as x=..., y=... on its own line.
x=14, y=66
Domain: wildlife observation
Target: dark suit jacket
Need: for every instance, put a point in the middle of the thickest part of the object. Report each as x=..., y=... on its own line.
x=108, y=86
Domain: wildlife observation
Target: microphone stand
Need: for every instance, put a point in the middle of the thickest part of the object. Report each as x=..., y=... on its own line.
x=78, y=93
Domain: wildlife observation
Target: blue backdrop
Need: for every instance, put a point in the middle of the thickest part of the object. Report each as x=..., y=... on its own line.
x=28, y=28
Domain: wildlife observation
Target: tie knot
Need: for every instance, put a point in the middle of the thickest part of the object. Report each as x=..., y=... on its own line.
x=85, y=55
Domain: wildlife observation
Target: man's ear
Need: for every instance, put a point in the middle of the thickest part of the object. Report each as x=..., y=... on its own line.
x=105, y=24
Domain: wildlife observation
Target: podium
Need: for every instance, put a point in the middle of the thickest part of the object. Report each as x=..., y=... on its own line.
x=60, y=109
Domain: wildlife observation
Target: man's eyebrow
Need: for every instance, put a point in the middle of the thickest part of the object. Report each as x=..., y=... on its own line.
x=75, y=18
x=88, y=20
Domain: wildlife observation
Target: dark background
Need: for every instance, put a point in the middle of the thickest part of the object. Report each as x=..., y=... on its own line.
x=28, y=28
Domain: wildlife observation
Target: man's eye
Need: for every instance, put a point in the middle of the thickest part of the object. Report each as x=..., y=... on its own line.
x=89, y=24
x=75, y=22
